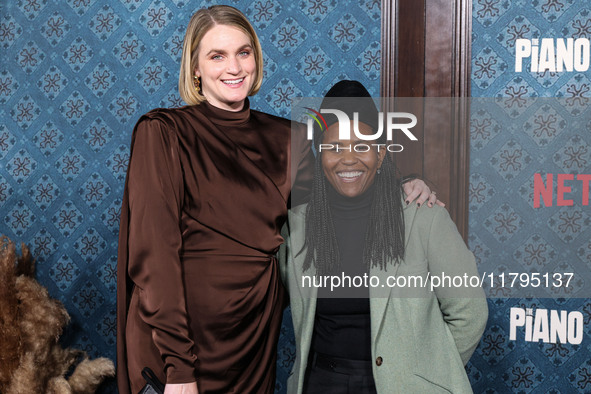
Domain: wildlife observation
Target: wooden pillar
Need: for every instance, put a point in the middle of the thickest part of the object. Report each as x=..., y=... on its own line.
x=426, y=53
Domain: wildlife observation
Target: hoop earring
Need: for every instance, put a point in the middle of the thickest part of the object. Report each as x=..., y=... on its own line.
x=197, y=83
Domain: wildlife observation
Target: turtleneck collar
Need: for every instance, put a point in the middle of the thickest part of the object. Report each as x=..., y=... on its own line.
x=224, y=117
x=349, y=207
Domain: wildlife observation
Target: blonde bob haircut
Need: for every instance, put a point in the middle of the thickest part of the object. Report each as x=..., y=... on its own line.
x=201, y=22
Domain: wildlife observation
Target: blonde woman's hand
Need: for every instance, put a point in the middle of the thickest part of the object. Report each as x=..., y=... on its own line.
x=181, y=388
x=417, y=189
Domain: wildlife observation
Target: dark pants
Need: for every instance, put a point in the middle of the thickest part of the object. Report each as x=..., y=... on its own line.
x=331, y=375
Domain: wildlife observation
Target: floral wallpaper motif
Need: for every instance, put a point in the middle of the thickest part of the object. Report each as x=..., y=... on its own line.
x=76, y=74
x=507, y=148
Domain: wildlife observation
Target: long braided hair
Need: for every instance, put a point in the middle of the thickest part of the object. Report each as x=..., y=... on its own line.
x=384, y=238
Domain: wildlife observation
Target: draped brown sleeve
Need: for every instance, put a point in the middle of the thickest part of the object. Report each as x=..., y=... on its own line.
x=302, y=165
x=149, y=245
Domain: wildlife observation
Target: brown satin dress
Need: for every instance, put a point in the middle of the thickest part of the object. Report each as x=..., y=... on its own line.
x=199, y=294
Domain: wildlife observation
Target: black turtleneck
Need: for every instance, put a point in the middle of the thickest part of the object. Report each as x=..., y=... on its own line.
x=342, y=324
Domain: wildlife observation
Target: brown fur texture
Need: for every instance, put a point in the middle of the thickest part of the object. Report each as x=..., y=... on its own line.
x=9, y=330
x=31, y=359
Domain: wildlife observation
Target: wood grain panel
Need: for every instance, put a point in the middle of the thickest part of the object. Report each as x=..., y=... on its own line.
x=426, y=53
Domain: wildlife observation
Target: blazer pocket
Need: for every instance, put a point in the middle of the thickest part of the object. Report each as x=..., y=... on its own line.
x=447, y=373
x=424, y=385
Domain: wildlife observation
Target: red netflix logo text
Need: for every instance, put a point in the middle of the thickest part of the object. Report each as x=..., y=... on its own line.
x=544, y=190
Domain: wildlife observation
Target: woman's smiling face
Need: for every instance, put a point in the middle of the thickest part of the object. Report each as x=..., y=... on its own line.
x=349, y=172
x=226, y=66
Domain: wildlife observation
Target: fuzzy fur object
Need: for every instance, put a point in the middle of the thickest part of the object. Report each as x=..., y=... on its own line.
x=31, y=359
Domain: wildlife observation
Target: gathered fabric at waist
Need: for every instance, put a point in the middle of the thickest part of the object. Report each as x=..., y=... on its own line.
x=201, y=239
x=235, y=305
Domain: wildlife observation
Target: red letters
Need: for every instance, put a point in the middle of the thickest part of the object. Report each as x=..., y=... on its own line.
x=544, y=191
x=540, y=190
x=561, y=189
x=585, y=178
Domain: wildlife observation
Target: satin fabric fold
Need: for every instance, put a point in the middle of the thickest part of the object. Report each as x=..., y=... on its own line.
x=235, y=172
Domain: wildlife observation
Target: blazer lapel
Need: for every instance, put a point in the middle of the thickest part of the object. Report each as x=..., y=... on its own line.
x=380, y=296
x=379, y=299
x=304, y=307
x=297, y=222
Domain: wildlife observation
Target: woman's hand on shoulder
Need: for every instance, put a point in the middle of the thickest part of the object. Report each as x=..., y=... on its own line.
x=417, y=189
x=181, y=388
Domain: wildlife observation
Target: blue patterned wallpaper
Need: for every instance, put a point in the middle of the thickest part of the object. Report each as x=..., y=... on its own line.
x=504, y=227
x=75, y=75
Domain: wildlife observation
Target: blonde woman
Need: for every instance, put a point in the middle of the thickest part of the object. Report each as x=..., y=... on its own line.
x=199, y=294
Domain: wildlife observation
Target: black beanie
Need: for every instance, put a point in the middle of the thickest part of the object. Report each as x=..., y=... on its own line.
x=349, y=97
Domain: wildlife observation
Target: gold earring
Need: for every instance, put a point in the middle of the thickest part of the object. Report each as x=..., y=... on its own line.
x=196, y=83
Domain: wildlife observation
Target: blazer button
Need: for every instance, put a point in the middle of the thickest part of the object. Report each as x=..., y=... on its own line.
x=379, y=361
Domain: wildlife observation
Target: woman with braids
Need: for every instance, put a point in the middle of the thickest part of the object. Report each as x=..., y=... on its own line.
x=356, y=332
x=199, y=299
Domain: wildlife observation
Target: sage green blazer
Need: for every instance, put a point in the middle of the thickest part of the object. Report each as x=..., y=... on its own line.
x=420, y=339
